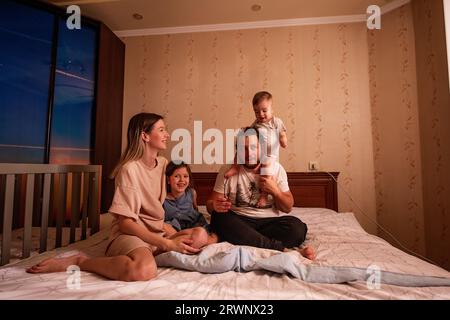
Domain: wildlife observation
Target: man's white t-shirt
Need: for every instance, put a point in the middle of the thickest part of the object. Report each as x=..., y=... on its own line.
x=243, y=190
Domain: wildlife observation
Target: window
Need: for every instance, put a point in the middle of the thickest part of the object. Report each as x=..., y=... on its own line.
x=71, y=138
x=25, y=69
x=47, y=86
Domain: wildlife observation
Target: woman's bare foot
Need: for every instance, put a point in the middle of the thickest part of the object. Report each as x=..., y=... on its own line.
x=307, y=252
x=57, y=264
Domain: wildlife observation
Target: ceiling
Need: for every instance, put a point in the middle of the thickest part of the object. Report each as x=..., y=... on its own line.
x=118, y=14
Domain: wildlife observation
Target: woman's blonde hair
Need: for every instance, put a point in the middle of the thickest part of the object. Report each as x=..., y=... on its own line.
x=141, y=122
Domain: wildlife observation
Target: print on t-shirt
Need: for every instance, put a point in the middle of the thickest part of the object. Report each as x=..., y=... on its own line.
x=243, y=190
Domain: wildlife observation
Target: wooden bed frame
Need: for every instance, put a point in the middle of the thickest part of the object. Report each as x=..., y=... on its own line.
x=45, y=190
x=310, y=189
x=40, y=189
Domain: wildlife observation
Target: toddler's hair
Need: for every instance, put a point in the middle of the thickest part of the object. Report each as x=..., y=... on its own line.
x=170, y=169
x=260, y=96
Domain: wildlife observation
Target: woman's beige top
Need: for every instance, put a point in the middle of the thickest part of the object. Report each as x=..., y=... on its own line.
x=140, y=193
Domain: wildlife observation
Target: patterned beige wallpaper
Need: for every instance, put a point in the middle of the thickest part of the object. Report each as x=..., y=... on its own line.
x=411, y=134
x=395, y=127
x=434, y=113
x=369, y=104
x=318, y=76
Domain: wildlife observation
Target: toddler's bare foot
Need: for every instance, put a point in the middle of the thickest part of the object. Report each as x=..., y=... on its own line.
x=56, y=264
x=231, y=172
x=262, y=202
x=307, y=252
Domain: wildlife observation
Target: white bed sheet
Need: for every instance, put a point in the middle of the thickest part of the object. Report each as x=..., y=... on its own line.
x=334, y=235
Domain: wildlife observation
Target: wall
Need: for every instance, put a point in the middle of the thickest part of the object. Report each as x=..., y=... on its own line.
x=395, y=127
x=318, y=75
x=434, y=113
x=410, y=111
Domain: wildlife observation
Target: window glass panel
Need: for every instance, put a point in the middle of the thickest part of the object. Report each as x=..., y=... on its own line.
x=73, y=109
x=25, y=66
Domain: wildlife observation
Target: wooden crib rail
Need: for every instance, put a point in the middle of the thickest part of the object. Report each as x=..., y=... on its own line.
x=85, y=187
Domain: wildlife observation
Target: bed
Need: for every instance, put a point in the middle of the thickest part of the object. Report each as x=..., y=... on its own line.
x=339, y=240
x=36, y=196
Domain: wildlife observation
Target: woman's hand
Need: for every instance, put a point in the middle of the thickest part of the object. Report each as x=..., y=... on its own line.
x=182, y=245
x=169, y=230
x=221, y=204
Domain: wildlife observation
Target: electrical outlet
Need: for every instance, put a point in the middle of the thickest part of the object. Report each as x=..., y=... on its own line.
x=313, y=166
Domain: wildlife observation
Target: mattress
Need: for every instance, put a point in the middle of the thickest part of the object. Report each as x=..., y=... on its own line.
x=337, y=237
x=17, y=236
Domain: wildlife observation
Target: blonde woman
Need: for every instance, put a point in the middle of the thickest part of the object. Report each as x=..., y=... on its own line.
x=137, y=233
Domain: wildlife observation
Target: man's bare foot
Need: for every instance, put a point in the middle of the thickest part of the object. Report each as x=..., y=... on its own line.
x=307, y=252
x=57, y=264
x=234, y=170
x=212, y=238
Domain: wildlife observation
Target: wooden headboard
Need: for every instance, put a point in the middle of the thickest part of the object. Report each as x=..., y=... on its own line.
x=310, y=189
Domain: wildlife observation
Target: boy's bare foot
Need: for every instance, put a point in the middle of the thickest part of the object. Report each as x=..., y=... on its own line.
x=57, y=264
x=234, y=170
x=307, y=252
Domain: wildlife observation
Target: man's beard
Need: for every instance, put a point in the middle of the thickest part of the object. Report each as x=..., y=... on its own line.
x=252, y=166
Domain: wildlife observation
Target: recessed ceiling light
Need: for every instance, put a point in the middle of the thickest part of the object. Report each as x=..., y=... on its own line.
x=137, y=16
x=256, y=7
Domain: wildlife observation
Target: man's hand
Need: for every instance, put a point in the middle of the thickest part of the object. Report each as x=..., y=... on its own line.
x=283, y=200
x=221, y=204
x=267, y=184
x=218, y=202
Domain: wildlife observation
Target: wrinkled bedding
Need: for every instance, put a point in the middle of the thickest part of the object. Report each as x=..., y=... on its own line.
x=340, y=243
x=345, y=253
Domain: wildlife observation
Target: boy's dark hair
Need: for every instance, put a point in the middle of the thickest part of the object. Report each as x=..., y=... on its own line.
x=259, y=96
x=172, y=166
